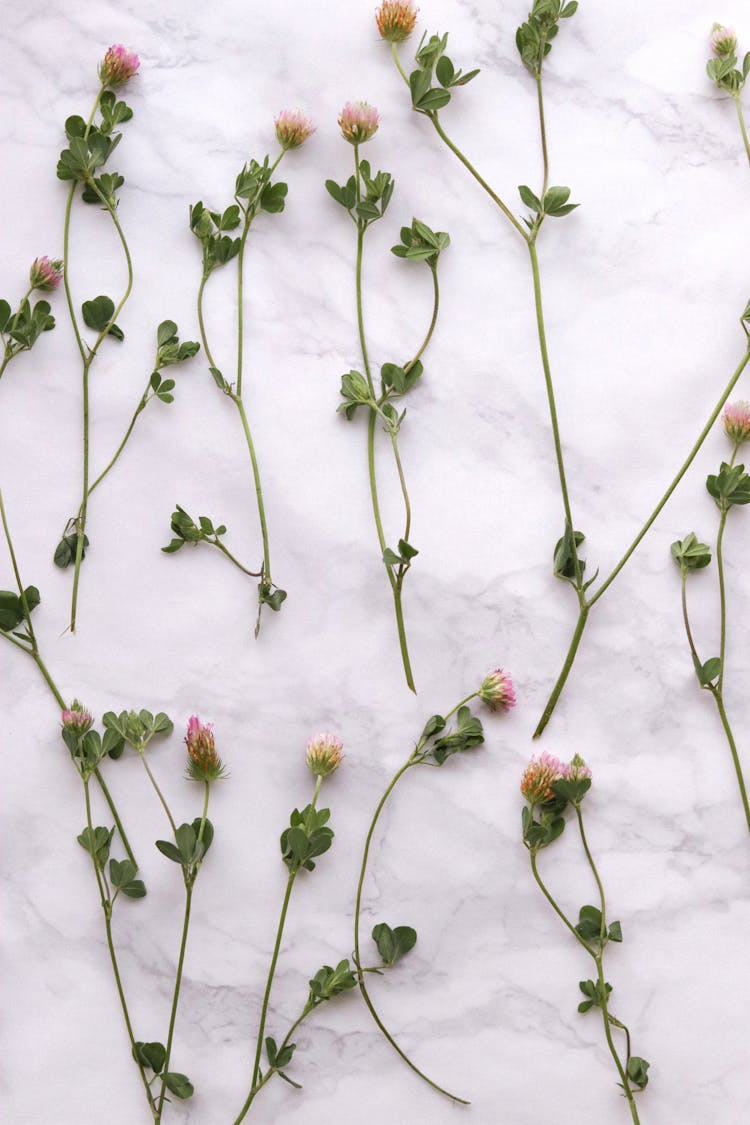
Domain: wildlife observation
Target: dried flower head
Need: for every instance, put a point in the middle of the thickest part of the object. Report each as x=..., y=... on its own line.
x=292, y=128
x=396, y=19
x=358, y=122
x=723, y=39
x=324, y=754
x=736, y=419
x=118, y=66
x=77, y=719
x=497, y=691
x=45, y=273
x=576, y=770
x=539, y=777
x=204, y=764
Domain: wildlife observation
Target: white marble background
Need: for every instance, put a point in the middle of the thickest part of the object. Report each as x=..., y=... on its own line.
x=643, y=285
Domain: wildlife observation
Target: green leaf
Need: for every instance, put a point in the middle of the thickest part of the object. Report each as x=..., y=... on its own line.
x=432, y=727
x=393, y=944
x=709, y=671
x=589, y=925
x=529, y=198
x=167, y=848
x=98, y=313
x=444, y=71
x=565, y=556
x=219, y=379
x=637, y=1070
x=136, y=888
x=273, y=197
x=615, y=931
x=433, y=100
x=185, y=839
x=166, y=331
x=178, y=1084
x=151, y=1055
x=690, y=554
x=329, y=982
x=5, y=314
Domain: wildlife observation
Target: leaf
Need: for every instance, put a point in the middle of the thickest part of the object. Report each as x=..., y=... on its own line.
x=637, y=1069
x=98, y=313
x=708, y=671
x=393, y=944
x=151, y=1055
x=273, y=197
x=178, y=1084
x=615, y=932
x=136, y=888
x=432, y=727
x=167, y=848
x=185, y=838
x=433, y=100
x=219, y=379
x=166, y=331
x=529, y=198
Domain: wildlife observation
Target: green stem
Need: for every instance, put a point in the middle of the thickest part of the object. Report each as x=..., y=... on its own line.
x=201, y=323
x=686, y=621
x=482, y=182
x=118, y=822
x=583, y=614
x=610, y=1042
x=271, y=973
x=258, y=490
x=743, y=129
x=257, y=1087
x=433, y=322
x=159, y=793
x=141, y=406
x=592, y=865
x=237, y=563
x=176, y=996
x=722, y=596
x=107, y=910
x=542, y=133
x=558, y=911
x=735, y=756
x=357, y=959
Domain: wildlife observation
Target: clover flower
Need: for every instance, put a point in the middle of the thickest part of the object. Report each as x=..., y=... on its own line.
x=76, y=718
x=46, y=274
x=358, y=122
x=539, y=777
x=204, y=764
x=736, y=419
x=395, y=20
x=292, y=128
x=324, y=754
x=723, y=40
x=118, y=66
x=497, y=691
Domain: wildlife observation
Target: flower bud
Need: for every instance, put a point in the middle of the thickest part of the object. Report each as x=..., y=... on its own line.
x=46, y=274
x=497, y=691
x=576, y=770
x=736, y=419
x=324, y=754
x=539, y=777
x=77, y=719
x=204, y=764
x=395, y=20
x=723, y=40
x=358, y=122
x=292, y=128
x=118, y=66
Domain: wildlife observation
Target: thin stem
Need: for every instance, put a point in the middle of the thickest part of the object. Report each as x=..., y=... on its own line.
x=397, y=61
x=433, y=321
x=482, y=182
x=735, y=756
x=552, y=407
x=592, y=865
x=107, y=910
x=201, y=323
x=583, y=614
x=680, y=474
x=357, y=910
x=237, y=563
x=722, y=596
x=686, y=622
x=258, y=490
x=271, y=973
x=743, y=129
x=159, y=793
x=402, y=480
x=257, y=1087
x=610, y=1042
x=141, y=406
x=176, y=996
x=558, y=911
x=118, y=822
x=542, y=134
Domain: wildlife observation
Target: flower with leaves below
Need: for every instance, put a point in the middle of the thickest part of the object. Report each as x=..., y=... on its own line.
x=77, y=719
x=539, y=777
x=204, y=764
x=395, y=20
x=723, y=39
x=118, y=66
x=358, y=122
x=324, y=754
x=736, y=419
x=497, y=691
x=46, y=274
x=292, y=128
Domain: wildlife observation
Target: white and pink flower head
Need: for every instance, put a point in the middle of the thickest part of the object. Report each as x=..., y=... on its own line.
x=358, y=122
x=46, y=273
x=539, y=777
x=293, y=128
x=576, y=769
x=736, y=419
x=396, y=19
x=118, y=66
x=324, y=754
x=204, y=764
x=76, y=719
x=723, y=39
x=497, y=691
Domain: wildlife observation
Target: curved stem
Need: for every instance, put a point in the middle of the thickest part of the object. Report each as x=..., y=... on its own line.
x=201, y=323
x=482, y=182
x=397, y=61
x=237, y=563
x=680, y=474
x=592, y=865
x=610, y=1042
x=176, y=996
x=558, y=911
x=433, y=321
x=686, y=622
x=258, y=490
x=735, y=756
x=402, y=480
x=159, y=793
x=141, y=406
x=583, y=614
x=357, y=959
x=722, y=597
x=118, y=823
x=271, y=974
x=107, y=910
x=743, y=129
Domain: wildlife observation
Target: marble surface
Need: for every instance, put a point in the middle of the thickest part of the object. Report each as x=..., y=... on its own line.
x=643, y=288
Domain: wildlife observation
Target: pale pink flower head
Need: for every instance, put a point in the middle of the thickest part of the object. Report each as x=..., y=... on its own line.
x=358, y=122
x=45, y=273
x=736, y=419
x=576, y=769
x=497, y=691
x=204, y=764
x=118, y=66
x=292, y=128
x=324, y=754
x=76, y=719
x=723, y=39
x=539, y=777
x=396, y=19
